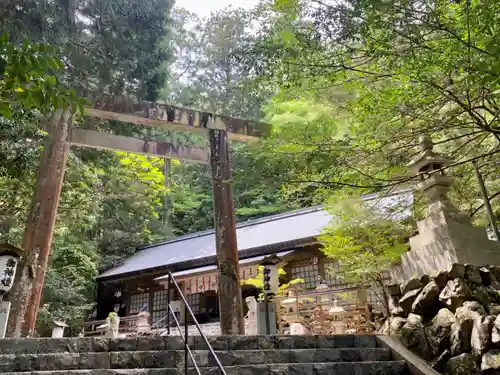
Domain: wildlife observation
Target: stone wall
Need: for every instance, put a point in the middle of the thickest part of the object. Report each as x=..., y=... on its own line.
x=451, y=319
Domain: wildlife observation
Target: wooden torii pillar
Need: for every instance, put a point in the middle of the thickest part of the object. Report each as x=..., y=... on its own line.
x=40, y=224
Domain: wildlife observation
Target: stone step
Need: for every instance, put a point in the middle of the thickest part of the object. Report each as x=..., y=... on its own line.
x=98, y=344
x=172, y=359
x=333, y=368
x=272, y=356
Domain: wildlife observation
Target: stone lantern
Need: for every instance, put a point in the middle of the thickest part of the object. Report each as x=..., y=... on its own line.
x=337, y=314
x=433, y=181
x=292, y=307
x=266, y=311
x=445, y=235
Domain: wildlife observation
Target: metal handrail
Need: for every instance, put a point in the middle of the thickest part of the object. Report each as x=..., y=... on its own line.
x=187, y=349
x=187, y=309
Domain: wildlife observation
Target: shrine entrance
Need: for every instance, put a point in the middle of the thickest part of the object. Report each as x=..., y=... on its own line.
x=62, y=133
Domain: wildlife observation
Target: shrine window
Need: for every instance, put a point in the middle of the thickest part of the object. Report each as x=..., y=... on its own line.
x=193, y=301
x=333, y=275
x=137, y=302
x=308, y=273
x=159, y=309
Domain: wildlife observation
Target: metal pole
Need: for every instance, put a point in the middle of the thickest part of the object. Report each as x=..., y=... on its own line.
x=486, y=199
x=230, y=300
x=168, y=304
x=186, y=331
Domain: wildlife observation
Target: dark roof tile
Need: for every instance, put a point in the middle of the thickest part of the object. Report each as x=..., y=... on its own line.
x=290, y=227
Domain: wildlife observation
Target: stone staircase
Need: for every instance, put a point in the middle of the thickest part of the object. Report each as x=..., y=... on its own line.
x=239, y=355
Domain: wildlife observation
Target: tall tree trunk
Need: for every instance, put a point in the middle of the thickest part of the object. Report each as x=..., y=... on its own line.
x=26, y=293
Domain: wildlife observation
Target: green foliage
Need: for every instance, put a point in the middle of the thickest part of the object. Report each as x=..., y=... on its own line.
x=352, y=84
x=55, y=52
x=386, y=73
x=258, y=282
x=112, y=316
x=29, y=77
x=210, y=75
x=110, y=46
x=364, y=242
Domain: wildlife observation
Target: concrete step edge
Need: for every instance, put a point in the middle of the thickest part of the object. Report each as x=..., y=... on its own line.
x=168, y=370
x=13, y=355
x=99, y=344
x=175, y=359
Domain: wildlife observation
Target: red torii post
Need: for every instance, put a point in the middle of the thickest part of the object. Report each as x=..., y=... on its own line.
x=40, y=223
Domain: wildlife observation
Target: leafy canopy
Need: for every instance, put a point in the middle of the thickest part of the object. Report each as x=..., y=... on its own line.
x=258, y=282
x=30, y=77
x=364, y=242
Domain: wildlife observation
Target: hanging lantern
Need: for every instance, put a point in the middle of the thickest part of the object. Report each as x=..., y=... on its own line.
x=9, y=260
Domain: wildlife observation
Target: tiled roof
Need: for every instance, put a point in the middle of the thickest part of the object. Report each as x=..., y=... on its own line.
x=255, y=237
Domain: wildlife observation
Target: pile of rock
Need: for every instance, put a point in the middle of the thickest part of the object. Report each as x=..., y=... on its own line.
x=451, y=319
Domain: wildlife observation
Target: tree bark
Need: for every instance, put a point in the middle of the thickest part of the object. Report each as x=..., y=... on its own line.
x=26, y=293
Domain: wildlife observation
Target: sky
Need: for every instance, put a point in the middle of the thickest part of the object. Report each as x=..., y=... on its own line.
x=203, y=8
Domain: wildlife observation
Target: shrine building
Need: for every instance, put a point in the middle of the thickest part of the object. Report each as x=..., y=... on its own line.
x=141, y=279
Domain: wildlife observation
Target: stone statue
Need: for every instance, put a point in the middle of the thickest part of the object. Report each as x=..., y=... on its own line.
x=251, y=318
x=252, y=307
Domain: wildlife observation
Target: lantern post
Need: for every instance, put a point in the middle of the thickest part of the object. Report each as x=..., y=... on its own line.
x=270, y=284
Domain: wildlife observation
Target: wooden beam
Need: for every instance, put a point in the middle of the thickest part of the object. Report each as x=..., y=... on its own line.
x=107, y=141
x=175, y=118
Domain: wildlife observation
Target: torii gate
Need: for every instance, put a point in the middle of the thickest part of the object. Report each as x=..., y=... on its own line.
x=37, y=239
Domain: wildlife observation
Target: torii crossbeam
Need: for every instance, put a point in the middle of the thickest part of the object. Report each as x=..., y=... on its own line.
x=40, y=224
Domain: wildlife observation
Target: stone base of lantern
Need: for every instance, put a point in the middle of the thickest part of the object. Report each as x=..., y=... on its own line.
x=261, y=318
x=338, y=328
x=446, y=238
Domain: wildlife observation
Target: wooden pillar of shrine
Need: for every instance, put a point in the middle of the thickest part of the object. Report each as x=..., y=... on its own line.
x=230, y=300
